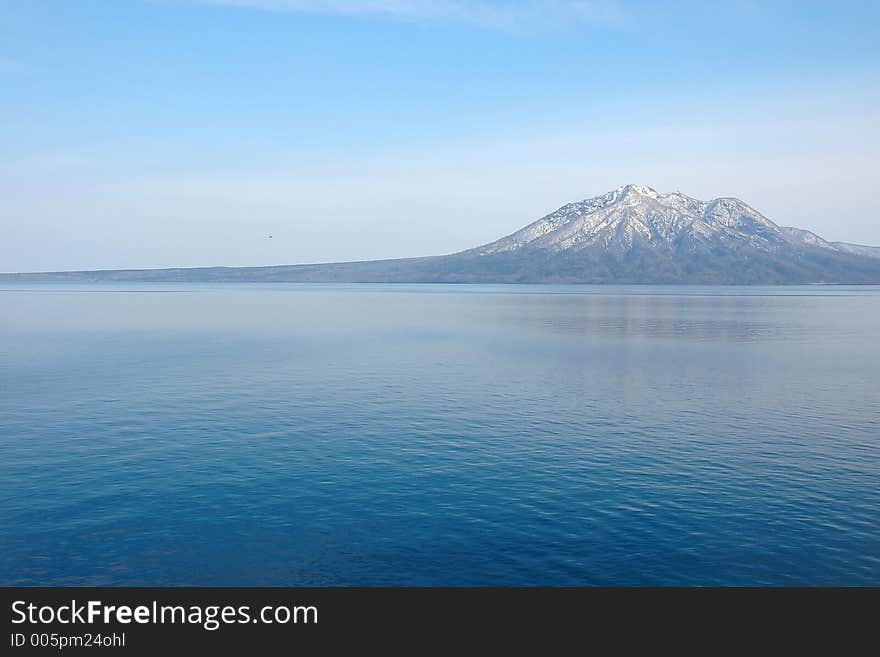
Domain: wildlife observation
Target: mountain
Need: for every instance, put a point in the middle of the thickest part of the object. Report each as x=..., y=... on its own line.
x=632, y=234
x=844, y=247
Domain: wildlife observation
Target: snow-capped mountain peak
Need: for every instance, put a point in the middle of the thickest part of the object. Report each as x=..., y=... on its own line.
x=630, y=191
x=638, y=215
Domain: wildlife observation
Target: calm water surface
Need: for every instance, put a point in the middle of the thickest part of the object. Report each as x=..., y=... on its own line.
x=438, y=435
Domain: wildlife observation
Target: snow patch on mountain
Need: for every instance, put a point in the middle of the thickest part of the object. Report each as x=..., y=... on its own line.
x=857, y=249
x=811, y=239
x=806, y=237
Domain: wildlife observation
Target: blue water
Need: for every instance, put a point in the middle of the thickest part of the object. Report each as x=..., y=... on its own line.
x=438, y=435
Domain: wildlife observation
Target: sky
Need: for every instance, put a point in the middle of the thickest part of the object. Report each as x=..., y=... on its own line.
x=156, y=133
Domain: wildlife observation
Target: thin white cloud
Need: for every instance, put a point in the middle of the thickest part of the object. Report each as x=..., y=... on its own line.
x=496, y=14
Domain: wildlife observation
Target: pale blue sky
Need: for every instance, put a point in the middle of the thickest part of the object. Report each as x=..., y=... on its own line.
x=138, y=133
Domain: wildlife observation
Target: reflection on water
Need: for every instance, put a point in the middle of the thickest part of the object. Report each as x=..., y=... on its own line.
x=329, y=434
x=725, y=319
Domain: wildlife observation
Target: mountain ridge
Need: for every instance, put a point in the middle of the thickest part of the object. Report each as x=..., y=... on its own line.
x=632, y=234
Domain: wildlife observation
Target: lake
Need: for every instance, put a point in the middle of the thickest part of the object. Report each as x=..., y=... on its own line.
x=295, y=434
